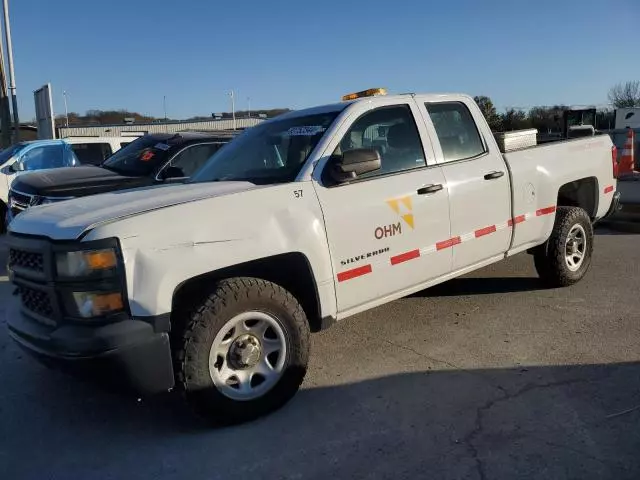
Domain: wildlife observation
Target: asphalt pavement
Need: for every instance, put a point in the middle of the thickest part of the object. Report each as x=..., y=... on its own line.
x=489, y=376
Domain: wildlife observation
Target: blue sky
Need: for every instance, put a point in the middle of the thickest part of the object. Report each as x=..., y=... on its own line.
x=129, y=54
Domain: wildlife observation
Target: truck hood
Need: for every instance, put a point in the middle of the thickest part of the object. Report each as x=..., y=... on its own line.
x=75, y=182
x=68, y=220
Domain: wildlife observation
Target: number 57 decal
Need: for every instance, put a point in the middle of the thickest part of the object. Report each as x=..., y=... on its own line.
x=297, y=193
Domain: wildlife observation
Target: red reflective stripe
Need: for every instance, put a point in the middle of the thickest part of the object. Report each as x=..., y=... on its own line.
x=356, y=272
x=403, y=257
x=448, y=243
x=609, y=189
x=515, y=220
x=485, y=231
x=545, y=211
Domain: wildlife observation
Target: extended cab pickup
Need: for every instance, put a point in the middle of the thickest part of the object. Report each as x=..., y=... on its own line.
x=213, y=286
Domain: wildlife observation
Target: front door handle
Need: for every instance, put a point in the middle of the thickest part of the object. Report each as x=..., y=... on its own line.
x=493, y=175
x=430, y=189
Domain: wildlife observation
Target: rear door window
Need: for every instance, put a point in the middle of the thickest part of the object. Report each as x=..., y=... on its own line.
x=456, y=130
x=91, y=153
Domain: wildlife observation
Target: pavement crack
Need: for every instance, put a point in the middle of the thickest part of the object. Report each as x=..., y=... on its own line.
x=470, y=439
x=423, y=355
x=476, y=373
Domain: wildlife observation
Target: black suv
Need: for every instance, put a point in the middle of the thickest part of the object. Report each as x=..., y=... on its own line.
x=154, y=158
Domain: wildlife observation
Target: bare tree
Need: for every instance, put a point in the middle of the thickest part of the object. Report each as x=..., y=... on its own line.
x=625, y=95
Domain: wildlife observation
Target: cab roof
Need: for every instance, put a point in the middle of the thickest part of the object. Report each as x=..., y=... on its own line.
x=338, y=107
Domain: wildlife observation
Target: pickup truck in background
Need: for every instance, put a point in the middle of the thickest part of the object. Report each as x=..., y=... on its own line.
x=214, y=286
x=148, y=160
x=25, y=157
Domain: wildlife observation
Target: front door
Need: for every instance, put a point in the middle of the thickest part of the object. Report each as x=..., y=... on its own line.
x=383, y=226
x=479, y=191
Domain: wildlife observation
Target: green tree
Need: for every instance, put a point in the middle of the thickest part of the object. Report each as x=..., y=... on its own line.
x=514, y=119
x=625, y=95
x=489, y=111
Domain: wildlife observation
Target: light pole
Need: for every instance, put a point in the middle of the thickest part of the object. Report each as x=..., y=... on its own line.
x=66, y=110
x=164, y=106
x=233, y=108
x=12, y=77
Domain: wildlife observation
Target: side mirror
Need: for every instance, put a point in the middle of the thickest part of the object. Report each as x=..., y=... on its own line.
x=16, y=167
x=355, y=162
x=172, y=173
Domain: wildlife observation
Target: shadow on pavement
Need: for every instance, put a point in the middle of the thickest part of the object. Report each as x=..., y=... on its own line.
x=534, y=422
x=482, y=286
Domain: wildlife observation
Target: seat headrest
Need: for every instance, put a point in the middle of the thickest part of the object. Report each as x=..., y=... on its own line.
x=400, y=135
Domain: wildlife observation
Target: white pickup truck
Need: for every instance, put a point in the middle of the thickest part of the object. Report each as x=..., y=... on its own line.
x=214, y=286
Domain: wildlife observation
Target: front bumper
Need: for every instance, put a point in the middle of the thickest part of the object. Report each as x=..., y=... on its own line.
x=128, y=355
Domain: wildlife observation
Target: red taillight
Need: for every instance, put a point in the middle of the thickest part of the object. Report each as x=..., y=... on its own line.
x=614, y=161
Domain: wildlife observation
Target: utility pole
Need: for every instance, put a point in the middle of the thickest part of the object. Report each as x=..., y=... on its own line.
x=249, y=104
x=233, y=108
x=5, y=112
x=12, y=77
x=66, y=110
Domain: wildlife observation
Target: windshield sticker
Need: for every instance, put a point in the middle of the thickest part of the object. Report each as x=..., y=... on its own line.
x=305, y=131
x=146, y=156
x=162, y=146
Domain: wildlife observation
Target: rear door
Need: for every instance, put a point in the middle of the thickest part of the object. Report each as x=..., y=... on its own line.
x=478, y=182
x=383, y=226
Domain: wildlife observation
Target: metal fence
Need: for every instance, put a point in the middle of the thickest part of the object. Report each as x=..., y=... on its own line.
x=143, y=128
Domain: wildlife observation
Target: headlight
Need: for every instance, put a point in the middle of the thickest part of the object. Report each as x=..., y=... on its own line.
x=93, y=304
x=85, y=263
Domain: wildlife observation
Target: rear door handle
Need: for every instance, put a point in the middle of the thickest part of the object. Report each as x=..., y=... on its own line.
x=493, y=175
x=430, y=189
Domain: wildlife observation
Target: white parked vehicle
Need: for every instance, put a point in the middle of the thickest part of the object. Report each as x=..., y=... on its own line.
x=213, y=286
x=46, y=154
x=95, y=150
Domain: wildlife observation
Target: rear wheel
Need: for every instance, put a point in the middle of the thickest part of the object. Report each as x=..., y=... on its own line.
x=244, y=352
x=565, y=257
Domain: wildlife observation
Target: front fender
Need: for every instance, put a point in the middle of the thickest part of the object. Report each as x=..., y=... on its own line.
x=165, y=248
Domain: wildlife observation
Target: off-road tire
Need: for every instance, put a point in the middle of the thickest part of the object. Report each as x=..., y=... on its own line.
x=227, y=299
x=549, y=258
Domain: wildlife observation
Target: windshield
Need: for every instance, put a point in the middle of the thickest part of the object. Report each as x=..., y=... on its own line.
x=140, y=157
x=270, y=153
x=7, y=153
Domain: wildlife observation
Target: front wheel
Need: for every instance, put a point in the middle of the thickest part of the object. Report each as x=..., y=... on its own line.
x=566, y=256
x=3, y=217
x=244, y=352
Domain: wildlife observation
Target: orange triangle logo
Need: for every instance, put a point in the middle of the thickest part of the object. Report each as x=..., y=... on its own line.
x=406, y=201
x=394, y=205
x=409, y=219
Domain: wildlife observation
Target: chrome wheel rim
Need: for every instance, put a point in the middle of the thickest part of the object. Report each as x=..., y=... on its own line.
x=575, y=247
x=248, y=355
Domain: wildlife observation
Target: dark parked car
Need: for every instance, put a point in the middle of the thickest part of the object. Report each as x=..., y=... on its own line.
x=151, y=159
